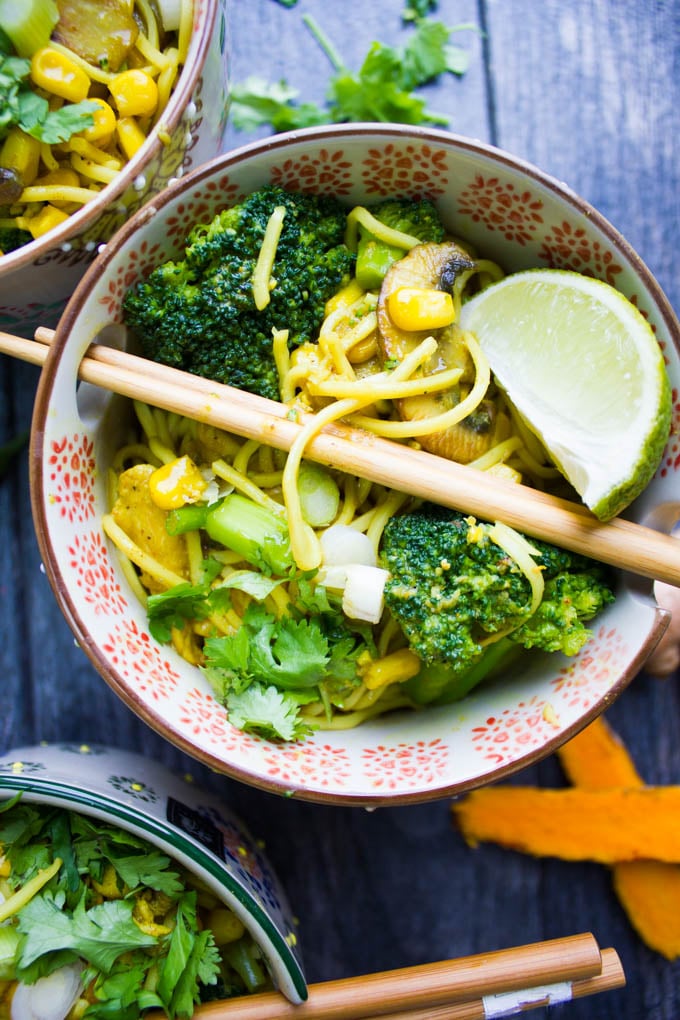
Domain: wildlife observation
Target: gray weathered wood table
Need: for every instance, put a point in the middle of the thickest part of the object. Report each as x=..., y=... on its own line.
x=590, y=92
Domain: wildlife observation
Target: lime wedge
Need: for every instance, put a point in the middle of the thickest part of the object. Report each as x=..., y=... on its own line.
x=584, y=370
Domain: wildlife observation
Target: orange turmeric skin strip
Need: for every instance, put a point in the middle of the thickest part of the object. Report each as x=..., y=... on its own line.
x=597, y=758
x=649, y=891
x=603, y=825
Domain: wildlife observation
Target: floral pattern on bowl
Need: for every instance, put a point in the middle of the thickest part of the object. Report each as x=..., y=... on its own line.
x=191, y=825
x=509, y=211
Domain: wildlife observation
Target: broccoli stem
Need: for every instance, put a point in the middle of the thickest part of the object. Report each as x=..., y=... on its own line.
x=186, y=518
x=374, y=258
x=258, y=534
x=495, y=658
x=439, y=684
x=28, y=24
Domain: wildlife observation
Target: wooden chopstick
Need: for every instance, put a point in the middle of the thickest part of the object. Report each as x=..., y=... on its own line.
x=411, y=993
x=618, y=542
x=504, y=1004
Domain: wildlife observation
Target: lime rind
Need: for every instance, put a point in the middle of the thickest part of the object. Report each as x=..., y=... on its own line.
x=622, y=495
x=583, y=369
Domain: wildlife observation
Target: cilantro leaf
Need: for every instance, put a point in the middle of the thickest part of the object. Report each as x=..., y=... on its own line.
x=256, y=102
x=186, y=601
x=291, y=653
x=228, y=660
x=383, y=88
x=268, y=711
x=191, y=956
x=58, y=125
x=425, y=55
x=172, y=608
x=252, y=582
x=22, y=107
x=287, y=652
x=99, y=934
x=119, y=995
x=148, y=869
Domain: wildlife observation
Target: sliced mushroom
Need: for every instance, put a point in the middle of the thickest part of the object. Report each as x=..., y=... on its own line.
x=436, y=267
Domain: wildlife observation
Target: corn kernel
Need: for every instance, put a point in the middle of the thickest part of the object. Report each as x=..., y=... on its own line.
x=130, y=136
x=47, y=219
x=344, y=297
x=104, y=123
x=176, y=483
x=58, y=74
x=135, y=93
x=414, y=308
x=21, y=152
x=225, y=926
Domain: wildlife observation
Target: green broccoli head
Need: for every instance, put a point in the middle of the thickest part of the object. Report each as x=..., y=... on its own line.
x=417, y=217
x=451, y=586
x=199, y=313
x=569, y=599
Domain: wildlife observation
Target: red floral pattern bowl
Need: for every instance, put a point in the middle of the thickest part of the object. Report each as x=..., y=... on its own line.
x=193, y=128
x=513, y=213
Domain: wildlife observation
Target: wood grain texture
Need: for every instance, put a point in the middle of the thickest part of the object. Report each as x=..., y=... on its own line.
x=588, y=90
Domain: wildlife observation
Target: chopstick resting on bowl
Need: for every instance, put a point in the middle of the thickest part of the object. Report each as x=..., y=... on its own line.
x=478, y=987
x=619, y=543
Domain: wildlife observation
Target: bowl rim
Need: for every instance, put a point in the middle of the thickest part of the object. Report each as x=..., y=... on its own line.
x=63, y=330
x=179, y=100
x=58, y=792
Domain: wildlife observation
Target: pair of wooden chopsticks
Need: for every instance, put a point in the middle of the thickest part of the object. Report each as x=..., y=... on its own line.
x=619, y=543
x=479, y=987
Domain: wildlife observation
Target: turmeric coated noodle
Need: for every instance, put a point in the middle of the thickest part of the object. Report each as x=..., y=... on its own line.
x=86, y=90
x=310, y=598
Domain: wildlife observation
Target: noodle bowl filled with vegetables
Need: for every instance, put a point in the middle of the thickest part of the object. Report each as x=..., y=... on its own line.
x=289, y=618
x=103, y=105
x=126, y=889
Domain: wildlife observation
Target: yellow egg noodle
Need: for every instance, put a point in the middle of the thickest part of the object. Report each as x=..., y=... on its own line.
x=340, y=376
x=58, y=179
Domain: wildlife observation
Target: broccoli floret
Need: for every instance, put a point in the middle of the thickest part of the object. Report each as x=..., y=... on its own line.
x=451, y=586
x=199, y=313
x=419, y=218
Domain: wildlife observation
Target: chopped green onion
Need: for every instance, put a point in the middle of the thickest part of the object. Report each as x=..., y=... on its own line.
x=28, y=23
x=319, y=495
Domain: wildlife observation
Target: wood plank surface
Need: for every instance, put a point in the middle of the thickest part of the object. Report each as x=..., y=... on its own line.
x=590, y=92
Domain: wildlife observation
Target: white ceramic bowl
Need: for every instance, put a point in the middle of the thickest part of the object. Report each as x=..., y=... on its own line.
x=192, y=826
x=513, y=213
x=37, y=280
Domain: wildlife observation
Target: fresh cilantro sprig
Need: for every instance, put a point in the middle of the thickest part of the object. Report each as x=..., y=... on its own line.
x=21, y=107
x=129, y=969
x=383, y=89
x=174, y=607
x=272, y=665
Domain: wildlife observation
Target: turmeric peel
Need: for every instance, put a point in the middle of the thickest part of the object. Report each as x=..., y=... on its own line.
x=603, y=825
x=649, y=891
x=596, y=758
x=595, y=761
